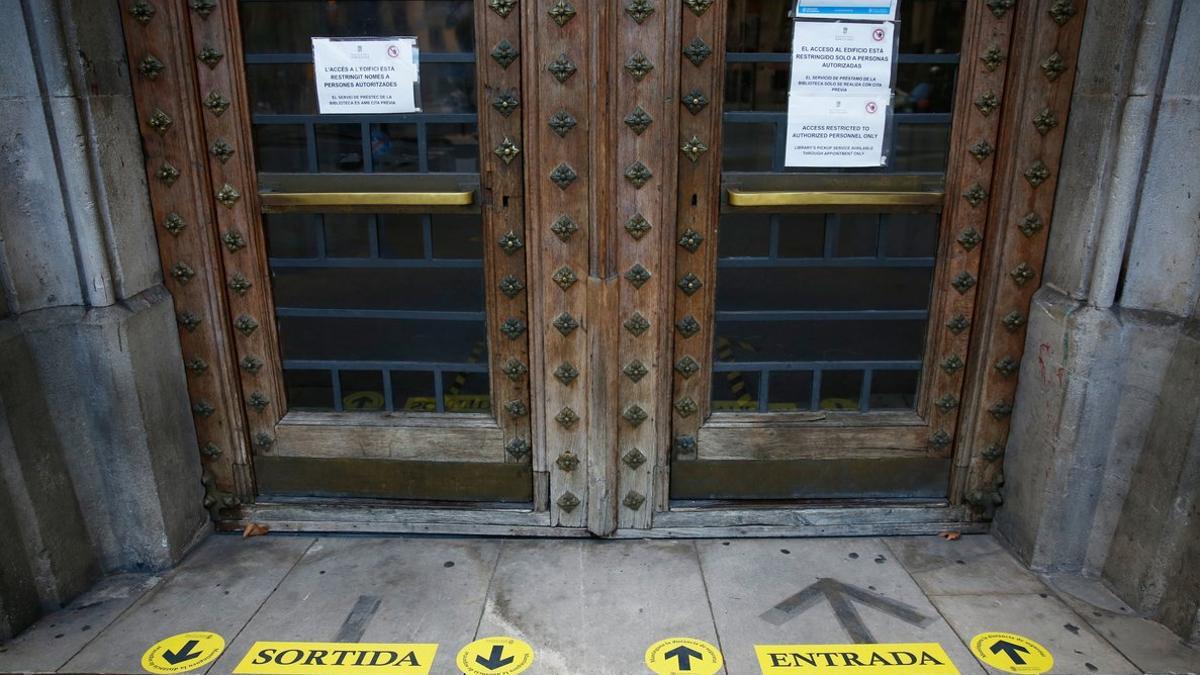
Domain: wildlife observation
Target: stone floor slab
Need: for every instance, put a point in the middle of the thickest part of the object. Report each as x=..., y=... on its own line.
x=970, y=564
x=746, y=578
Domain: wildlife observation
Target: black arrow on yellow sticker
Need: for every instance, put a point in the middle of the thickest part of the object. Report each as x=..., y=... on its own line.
x=839, y=596
x=182, y=654
x=1011, y=650
x=494, y=660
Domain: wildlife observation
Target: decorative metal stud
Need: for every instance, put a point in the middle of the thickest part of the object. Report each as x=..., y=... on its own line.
x=512, y=328
x=257, y=401
x=940, y=439
x=563, y=175
x=639, y=120
x=239, y=284
x=167, y=173
x=188, y=321
x=1001, y=409
x=634, y=459
x=216, y=103
x=1007, y=366
x=963, y=282
x=637, y=226
x=999, y=7
x=1021, y=274
x=975, y=195
x=1061, y=11
x=639, y=10
x=517, y=447
x=992, y=58
x=182, y=273
x=638, y=66
x=567, y=461
x=210, y=450
x=566, y=373
x=1030, y=225
x=691, y=240
x=562, y=122
x=568, y=502
x=1045, y=121
x=637, y=324
x=686, y=407
x=502, y=7
x=221, y=149
x=637, y=174
x=160, y=121
x=694, y=101
x=987, y=103
x=562, y=68
x=215, y=499
x=1053, y=66
x=1013, y=321
x=246, y=325
x=567, y=417
x=696, y=51
x=1037, y=173
x=203, y=408
x=635, y=415
x=516, y=408
x=565, y=277
x=196, y=365
x=958, y=323
x=565, y=323
x=952, y=364
x=251, y=364
x=637, y=275
x=993, y=452
x=689, y=283
x=698, y=7
x=507, y=151
x=981, y=149
x=969, y=238
x=511, y=286
x=142, y=11
x=504, y=53
x=634, y=500
x=687, y=366
x=210, y=56
x=514, y=369
x=564, y=227
x=203, y=7
x=561, y=11
x=233, y=241
x=228, y=196
x=506, y=102
x=263, y=440
x=685, y=446
x=150, y=67
x=687, y=326
x=693, y=148
x=946, y=403
x=174, y=224
x=510, y=242
x=635, y=370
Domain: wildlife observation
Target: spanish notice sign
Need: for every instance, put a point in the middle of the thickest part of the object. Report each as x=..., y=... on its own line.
x=371, y=75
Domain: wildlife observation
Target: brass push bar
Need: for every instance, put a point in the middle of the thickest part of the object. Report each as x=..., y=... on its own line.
x=313, y=201
x=778, y=198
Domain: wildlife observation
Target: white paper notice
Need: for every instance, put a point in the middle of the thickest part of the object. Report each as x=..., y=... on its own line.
x=835, y=132
x=375, y=75
x=838, y=59
x=853, y=10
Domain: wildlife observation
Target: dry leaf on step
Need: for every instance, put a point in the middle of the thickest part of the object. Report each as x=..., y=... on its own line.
x=950, y=535
x=254, y=530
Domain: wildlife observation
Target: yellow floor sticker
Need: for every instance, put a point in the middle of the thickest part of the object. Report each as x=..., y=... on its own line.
x=683, y=656
x=301, y=658
x=183, y=652
x=495, y=656
x=1011, y=653
x=924, y=658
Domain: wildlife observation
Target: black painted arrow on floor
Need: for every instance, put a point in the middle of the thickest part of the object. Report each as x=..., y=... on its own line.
x=182, y=654
x=684, y=655
x=839, y=596
x=494, y=662
x=1010, y=649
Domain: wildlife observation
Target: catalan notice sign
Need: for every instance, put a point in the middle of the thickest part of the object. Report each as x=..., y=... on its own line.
x=683, y=656
x=373, y=75
x=343, y=658
x=183, y=652
x=922, y=658
x=883, y=10
x=495, y=656
x=839, y=59
x=1011, y=653
x=835, y=131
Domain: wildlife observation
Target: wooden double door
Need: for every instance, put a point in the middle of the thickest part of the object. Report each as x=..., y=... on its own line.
x=580, y=284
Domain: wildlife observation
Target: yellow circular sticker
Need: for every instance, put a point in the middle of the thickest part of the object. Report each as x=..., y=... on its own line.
x=495, y=656
x=683, y=656
x=183, y=652
x=1011, y=653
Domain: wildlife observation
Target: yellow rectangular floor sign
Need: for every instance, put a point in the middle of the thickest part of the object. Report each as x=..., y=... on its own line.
x=318, y=658
x=918, y=658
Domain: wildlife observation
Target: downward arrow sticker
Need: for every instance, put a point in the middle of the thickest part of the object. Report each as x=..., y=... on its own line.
x=495, y=656
x=183, y=652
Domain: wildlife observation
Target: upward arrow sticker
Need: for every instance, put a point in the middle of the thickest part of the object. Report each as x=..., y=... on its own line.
x=1012, y=653
x=683, y=656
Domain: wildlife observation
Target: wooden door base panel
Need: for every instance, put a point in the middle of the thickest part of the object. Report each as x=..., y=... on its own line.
x=881, y=478
x=382, y=478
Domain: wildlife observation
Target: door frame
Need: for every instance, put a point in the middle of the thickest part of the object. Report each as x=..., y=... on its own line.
x=1037, y=42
